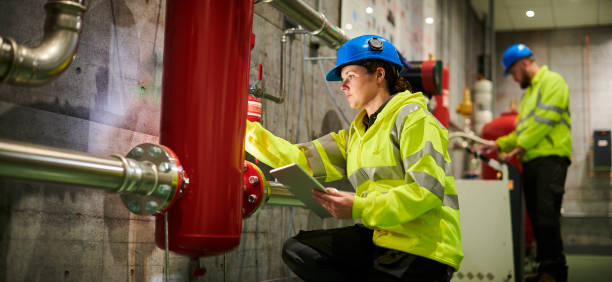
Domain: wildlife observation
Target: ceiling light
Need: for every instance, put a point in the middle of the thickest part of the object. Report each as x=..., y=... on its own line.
x=369, y=10
x=348, y=26
x=429, y=20
x=530, y=13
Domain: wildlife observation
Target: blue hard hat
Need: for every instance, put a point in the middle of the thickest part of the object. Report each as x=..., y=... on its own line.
x=361, y=48
x=513, y=53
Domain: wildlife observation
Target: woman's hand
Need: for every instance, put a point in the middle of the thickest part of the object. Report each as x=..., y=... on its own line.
x=338, y=203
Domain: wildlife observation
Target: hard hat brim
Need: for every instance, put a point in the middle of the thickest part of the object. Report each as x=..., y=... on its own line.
x=334, y=74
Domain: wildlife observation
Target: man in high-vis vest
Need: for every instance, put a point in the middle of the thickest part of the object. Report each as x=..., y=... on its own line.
x=395, y=156
x=543, y=141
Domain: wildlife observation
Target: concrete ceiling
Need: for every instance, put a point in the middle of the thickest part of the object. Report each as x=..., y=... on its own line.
x=510, y=14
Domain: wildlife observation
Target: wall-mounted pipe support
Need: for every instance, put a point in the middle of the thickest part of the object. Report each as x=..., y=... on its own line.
x=21, y=65
x=258, y=91
x=149, y=179
x=312, y=20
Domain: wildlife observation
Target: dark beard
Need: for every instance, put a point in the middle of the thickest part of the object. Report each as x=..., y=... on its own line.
x=525, y=82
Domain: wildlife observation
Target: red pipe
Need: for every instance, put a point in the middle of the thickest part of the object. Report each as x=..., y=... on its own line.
x=204, y=102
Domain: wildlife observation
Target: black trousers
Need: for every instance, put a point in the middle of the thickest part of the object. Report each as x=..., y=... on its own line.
x=348, y=254
x=544, y=181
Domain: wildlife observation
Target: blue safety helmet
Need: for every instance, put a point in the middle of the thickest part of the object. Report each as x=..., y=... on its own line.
x=513, y=54
x=361, y=48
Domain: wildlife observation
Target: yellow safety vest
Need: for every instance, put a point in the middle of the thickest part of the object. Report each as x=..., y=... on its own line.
x=544, y=125
x=400, y=168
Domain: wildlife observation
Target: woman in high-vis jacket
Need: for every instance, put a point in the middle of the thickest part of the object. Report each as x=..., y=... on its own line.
x=395, y=156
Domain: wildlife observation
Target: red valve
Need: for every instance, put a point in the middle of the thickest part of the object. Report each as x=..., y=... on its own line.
x=254, y=109
x=200, y=271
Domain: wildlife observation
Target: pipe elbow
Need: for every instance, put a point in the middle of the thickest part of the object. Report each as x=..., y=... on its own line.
x=21, y=65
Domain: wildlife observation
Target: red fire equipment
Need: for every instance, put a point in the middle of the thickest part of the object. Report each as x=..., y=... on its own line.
x=204, y=103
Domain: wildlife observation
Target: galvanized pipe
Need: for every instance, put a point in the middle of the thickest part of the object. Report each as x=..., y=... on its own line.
x=38, y=163
x=312, y=20
x=21, y=65
x=146, y=186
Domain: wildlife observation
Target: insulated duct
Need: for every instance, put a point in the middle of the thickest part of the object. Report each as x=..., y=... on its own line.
x=21, y=65
x=312, y=20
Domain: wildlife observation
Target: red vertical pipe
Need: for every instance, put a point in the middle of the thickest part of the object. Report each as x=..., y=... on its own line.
x=204, y=102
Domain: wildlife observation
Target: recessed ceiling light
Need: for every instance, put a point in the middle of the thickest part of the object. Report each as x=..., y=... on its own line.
x=429, y=20
x=348, y=26
x=530, y=13
x=369, y=10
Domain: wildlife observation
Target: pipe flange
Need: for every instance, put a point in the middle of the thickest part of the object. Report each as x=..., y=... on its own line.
x=256, y=190
x=71, y=7
x=153, y=179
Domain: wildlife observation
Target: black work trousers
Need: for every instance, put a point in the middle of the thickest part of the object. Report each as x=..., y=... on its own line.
x=348, y=254
x=544, y=181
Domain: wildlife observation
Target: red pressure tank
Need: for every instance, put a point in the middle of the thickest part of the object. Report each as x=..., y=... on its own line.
x=203, y=119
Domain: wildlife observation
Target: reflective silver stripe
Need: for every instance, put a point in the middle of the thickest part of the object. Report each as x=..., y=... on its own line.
x=550, y=107
x=428, y=149
x=564, y=121
x=333, y=153
x=376, y=173
x=314, y=159
x=428, y=182
x=451, y=201
x=518, y=132
x=554, y=108
x=543, y=120
x=396, y=131
x=525, y=118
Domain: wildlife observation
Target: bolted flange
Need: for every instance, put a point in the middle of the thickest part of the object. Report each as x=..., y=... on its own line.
x=153, y=179
x=256, y=190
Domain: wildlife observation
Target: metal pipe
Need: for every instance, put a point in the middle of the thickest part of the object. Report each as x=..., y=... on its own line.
x=147, y=186
x=460, y=134
x=312, y=20
x=21, y=65
x=492, y=53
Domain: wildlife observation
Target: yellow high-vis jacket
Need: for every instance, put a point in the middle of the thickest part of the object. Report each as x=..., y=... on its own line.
x=544, y=125
x=399, y=167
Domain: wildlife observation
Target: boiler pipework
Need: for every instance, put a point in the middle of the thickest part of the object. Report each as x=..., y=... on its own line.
x=310, y=19
x=149, y=178
x=21, y=65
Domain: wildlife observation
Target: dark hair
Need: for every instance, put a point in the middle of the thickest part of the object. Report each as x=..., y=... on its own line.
x=395, y=83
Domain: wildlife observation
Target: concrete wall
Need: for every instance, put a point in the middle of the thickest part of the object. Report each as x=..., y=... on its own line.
x=108, y=101
x=587, y=207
